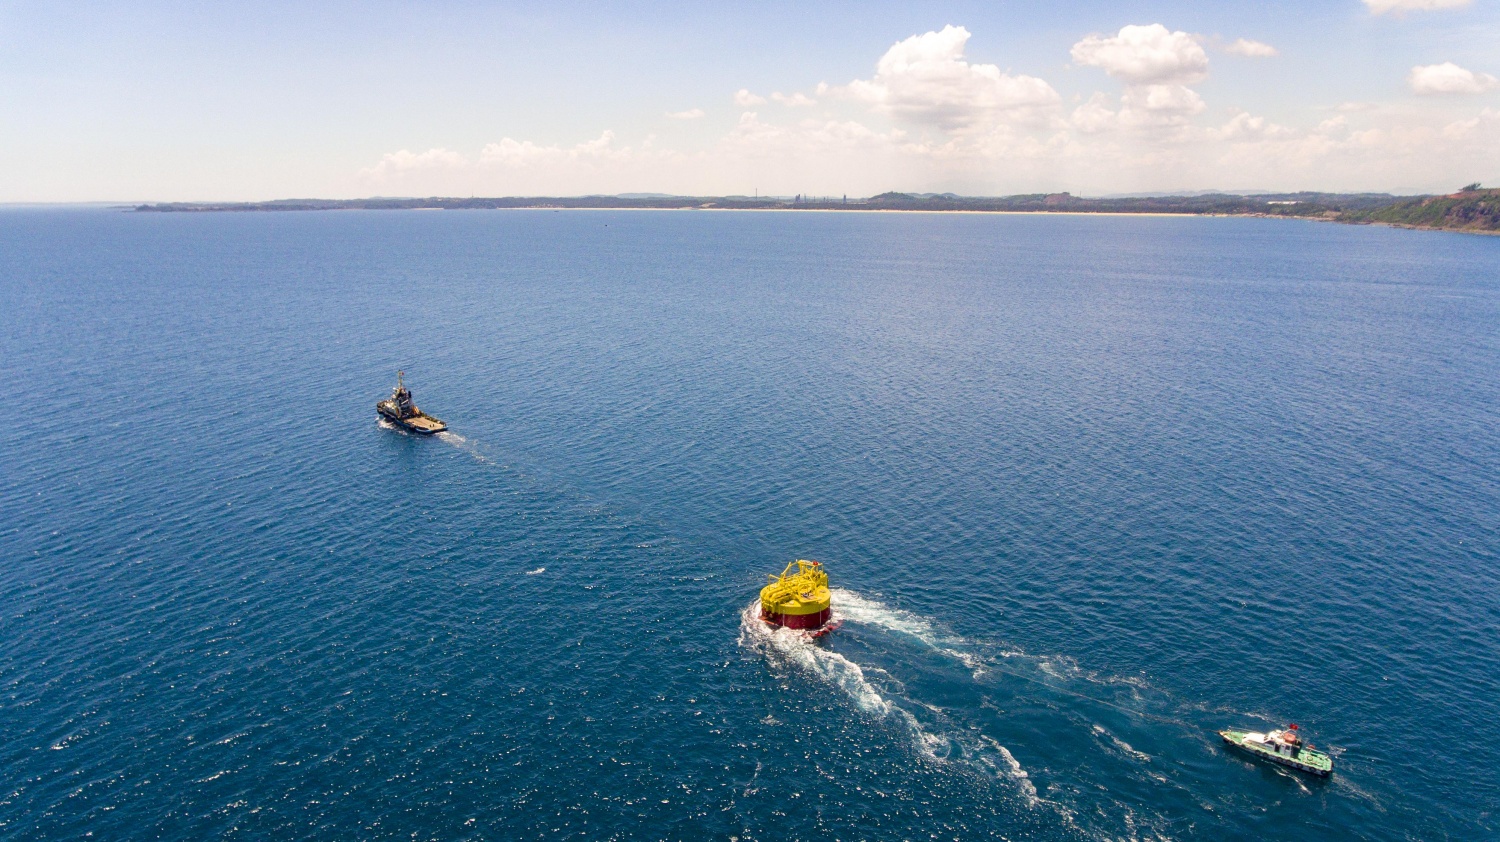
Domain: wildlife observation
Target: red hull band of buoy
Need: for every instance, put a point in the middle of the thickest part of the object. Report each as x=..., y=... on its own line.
x=795, y=621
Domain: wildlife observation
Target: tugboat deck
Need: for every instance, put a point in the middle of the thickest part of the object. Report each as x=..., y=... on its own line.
x=425, y=424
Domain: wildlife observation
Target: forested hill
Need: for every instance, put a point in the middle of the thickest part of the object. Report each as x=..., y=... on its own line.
x=1278, y=204
x=1472, y=209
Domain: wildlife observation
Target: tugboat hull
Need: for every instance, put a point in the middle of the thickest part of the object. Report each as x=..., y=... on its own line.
x=422, y=425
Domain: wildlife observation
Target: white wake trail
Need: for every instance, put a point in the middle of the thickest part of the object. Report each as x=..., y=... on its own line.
x=788, y=648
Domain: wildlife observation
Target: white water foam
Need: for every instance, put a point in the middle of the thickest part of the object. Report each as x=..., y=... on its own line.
x=791, y=648
x=971, y=747
x=852, y=606
x=1013, y=770
x=463, y=444
x=856, y=608
x=794, y=649
x=1120, y=744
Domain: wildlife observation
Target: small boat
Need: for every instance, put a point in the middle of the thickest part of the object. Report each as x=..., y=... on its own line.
x=1284, y=746
x=799, y=599
x=399, y=410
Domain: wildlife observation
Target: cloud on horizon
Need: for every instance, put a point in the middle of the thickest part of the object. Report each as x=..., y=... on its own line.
x=404, y=161
x=932, y=118
x=1251, y=49
x=1399, y=7
x=926, y=81
x=1145, y=55
x=1449, y=78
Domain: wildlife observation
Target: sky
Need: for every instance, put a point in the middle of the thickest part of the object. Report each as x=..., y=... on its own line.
x=180, y=101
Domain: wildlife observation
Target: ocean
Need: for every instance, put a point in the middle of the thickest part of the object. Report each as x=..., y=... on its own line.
x=1088, y=488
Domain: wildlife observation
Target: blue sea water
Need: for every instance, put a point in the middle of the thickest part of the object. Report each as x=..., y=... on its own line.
x=1089, y=488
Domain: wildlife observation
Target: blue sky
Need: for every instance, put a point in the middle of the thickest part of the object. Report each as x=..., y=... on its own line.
x=184, y=101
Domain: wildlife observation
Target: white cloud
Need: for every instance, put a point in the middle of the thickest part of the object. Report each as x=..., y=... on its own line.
x=523, y=154
x=1148, y=138
x=1094, y=116
x=754, y=138
x=925, y=80
x=1251, y=49
x=405, y=161
x=1449, y=78
x=794, y=100
x=1244, y=127
x=1380, y=7
x=975, y=129
x=1151, y=106
x=1481, y=128
x=690, y=114
x=1145, y=55
x=1333, y=124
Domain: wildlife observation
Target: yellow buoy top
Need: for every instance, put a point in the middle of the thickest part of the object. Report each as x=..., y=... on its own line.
x=803, y=590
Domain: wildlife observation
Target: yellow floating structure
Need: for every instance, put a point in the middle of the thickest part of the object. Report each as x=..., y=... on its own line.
x=799, y=599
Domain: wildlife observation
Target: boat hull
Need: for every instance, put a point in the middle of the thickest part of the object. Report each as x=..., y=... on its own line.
x=422, y=425
x=1311, y=762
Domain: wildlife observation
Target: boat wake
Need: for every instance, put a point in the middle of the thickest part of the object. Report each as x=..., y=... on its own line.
x=932, y=739
x=1091, y=738
x=785, y=647
x=455, y=440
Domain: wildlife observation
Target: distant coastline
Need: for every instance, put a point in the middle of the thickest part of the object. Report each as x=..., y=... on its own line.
x=1471, y=210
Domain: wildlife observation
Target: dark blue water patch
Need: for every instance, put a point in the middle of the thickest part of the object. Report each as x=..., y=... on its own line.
x=1092, y=488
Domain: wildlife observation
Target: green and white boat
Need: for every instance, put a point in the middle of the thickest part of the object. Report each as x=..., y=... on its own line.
x=1284, y=746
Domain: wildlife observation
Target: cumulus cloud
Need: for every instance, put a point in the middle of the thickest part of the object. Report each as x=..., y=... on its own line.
x=1244, y=127
x=1485, y=126
x=1150, y=108
x=1449, y=78
x=925, y=80
x=522, y=154
x=1145, y=55
x=1095, y=115
x=795, y=100
x=1380, y=7
x=1251, y=49
x=405, y=161
x=1153, y=106
x=752, y=138
x=938, y=121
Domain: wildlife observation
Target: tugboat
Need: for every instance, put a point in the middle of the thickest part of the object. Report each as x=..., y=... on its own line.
x=799, y=599
x=1284, y=746
x=399, y=410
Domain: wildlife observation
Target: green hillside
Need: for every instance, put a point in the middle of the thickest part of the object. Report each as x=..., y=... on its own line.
x=1472, y=209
